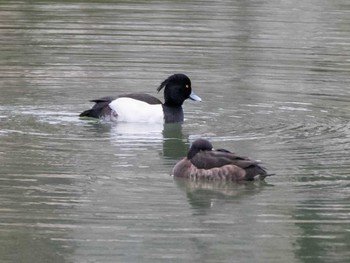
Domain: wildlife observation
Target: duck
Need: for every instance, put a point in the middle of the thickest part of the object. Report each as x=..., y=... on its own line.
x=204, y=162
x=141, y=107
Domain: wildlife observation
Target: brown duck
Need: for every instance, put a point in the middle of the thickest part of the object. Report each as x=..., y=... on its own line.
x=203, y=162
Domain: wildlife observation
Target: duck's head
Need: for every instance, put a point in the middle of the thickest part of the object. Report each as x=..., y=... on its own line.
x=177, y=89
x=199, y=145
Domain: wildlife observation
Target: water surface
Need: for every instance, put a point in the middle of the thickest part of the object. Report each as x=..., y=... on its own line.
x=274, y=79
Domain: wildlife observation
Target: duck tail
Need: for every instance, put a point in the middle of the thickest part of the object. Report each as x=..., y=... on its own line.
x=264, y=173
x=263, y=176
x=89, y=113
x=100, y=109
x=256, y=171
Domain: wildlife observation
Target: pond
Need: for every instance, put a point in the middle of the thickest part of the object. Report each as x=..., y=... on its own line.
x=274, y=80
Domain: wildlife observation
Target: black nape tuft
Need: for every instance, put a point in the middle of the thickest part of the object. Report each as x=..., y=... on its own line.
x=163, y=84
x=178, y=78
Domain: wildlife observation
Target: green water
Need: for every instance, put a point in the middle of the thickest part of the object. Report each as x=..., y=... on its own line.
x=274, y=79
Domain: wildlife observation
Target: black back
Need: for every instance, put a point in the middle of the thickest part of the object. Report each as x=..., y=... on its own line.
x=142, y=97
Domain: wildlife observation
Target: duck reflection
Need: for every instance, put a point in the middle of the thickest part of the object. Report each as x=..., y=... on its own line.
x=175, y=144
x=202, y=195
x=168, y=138
x=97, y=128
x=138, y=131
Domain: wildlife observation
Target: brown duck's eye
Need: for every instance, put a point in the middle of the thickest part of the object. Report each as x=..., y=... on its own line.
x=187, y=86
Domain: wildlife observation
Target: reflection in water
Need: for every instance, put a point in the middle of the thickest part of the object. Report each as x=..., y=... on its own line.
x=170, y=136
x=202, y=194
x=274, y=78
x=175, y=144
x=97, y=128
x=137, y=132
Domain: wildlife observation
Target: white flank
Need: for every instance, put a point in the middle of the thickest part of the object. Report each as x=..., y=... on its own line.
x=131, y=110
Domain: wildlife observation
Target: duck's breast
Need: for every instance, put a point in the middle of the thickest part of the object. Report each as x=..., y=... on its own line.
x=132, y=110
x=186, y=169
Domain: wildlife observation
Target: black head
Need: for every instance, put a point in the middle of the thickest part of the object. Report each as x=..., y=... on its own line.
x=177, y=89
x=199, y=145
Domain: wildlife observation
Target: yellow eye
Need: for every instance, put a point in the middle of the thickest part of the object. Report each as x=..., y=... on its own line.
x=187, y=86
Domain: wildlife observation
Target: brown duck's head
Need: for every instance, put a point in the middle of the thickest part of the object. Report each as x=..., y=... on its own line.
x=199, y=145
